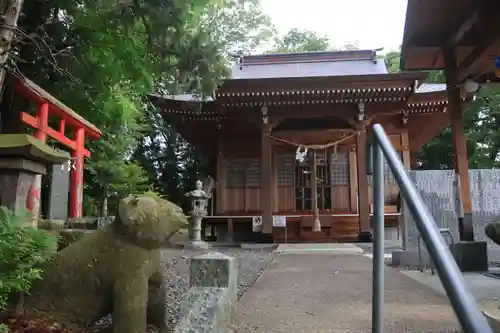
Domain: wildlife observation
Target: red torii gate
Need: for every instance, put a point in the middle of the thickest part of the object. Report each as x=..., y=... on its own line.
x=81, y=129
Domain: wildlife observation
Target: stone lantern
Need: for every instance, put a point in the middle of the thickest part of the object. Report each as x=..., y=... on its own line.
x=22, y=158
x=199, y=202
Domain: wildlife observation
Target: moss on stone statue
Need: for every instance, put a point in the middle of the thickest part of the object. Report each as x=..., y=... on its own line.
x=492, y=230
x=112, y=270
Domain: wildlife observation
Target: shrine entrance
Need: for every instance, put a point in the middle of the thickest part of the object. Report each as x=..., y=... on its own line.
x=52, y=119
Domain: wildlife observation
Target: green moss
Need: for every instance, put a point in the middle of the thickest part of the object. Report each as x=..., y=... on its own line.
x=114, y=269
x=27, y=146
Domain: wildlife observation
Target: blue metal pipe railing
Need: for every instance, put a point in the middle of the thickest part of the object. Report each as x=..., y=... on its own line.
x=462, y=300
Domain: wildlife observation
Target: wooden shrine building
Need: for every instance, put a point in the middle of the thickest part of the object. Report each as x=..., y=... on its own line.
x=257, y=128
x=462, y=38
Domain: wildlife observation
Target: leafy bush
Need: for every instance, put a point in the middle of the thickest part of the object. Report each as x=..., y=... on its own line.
x=22, y=248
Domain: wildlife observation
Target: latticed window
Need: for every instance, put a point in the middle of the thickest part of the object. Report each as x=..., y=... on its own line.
x=252, y=173
x=340, y=168
x=242, y=173
x=285, y=164
x=235, y=173
x=323, y=180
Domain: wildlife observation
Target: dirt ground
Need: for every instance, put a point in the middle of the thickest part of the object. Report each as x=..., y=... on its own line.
x=320, y=293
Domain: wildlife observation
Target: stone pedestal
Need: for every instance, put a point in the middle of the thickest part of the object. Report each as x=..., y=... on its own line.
x=192, y=244
x=470, y=256
x=14, y=189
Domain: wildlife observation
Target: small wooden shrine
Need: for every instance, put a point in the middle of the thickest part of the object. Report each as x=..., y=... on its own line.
x=462, y=38
x=286, y=135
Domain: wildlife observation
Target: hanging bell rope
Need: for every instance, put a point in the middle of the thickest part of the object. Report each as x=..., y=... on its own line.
x=314, y=185
x=315, y=146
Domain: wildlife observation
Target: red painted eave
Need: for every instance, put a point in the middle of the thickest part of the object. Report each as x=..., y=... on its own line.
x=32, y=91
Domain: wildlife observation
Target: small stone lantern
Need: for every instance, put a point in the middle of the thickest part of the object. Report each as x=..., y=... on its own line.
x=199, y=203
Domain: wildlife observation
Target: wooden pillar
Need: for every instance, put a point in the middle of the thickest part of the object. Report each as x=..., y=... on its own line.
x=460, y=159
x=34, y=194
x=363, y=202
x=407, y=162
x=405, y=147
x=266, y=197
x=230, y=230
x=413, y=161
x=76, y=189
x=353, y=180
x=274, y=183
x=314, y=193
x=220, y=189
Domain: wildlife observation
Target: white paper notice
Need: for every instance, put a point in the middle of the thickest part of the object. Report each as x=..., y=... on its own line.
x=279, y=221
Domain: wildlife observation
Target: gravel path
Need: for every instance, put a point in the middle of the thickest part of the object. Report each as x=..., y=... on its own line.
x=251, y=264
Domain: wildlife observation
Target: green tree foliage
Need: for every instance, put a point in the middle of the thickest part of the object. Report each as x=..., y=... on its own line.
x=297, y=40
x=102, y=58
x=173, y=165
x=480, y=123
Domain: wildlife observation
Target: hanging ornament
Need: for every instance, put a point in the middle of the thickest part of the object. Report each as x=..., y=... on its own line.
x=300, y=155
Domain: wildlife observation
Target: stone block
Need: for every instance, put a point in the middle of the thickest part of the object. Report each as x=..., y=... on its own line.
x=196, y=245
x=214, y=270
x=58, y=193
x=470, y=256
x=405, y=258
x=14, y=189
x=208, y=304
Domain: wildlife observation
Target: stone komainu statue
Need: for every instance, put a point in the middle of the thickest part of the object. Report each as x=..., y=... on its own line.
x=492, y=230
x=114, y=270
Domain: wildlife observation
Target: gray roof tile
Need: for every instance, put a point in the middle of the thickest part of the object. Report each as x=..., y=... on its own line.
x=431, y=87
x=315, y=64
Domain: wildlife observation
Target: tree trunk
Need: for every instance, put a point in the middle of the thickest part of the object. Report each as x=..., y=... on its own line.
x=8, y=25
x=104, y=205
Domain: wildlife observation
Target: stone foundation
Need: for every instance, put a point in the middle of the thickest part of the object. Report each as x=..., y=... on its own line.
x=208, y=304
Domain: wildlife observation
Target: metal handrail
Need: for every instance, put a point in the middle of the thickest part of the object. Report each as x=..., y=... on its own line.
x=462, y=301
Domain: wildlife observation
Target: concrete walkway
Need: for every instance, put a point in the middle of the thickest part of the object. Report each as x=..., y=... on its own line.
x=330, y=292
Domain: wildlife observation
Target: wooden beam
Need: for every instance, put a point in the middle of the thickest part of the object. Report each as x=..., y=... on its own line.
x=459, y=141
x=487, y=32
x=353, y=181
x=220, y=188
x=465, y=26
x=364, y=204
x=405, y=148
x=56, y=135
x=454, y=35
x=230, y=230
x=266, y=198
x=471, y=61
